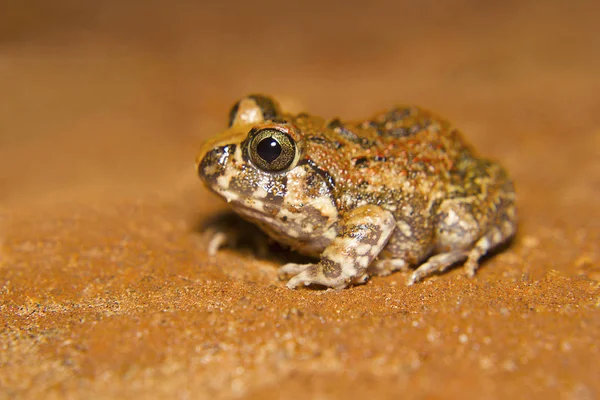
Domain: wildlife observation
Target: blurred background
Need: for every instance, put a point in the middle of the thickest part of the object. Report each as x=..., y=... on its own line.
x=119, y=94
x=106, y=288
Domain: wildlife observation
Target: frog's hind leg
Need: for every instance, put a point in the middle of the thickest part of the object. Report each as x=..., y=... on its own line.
x=503, y=230
x=478, y=217
x=436, y=264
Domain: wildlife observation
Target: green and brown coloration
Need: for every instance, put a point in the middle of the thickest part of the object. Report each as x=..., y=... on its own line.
x=397, y=191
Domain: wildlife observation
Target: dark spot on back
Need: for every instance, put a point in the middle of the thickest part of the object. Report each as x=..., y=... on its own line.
x=361, y=162
x=322, y=141
x=345, y=132
x=414, y=129
x=401, y=131
x=317, y=139
x=334, y=123
x=397, y=114
x=381, y=158
x=369, y=124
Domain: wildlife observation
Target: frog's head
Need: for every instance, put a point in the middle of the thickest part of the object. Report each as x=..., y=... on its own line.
x=250, y=160
x=259, y=166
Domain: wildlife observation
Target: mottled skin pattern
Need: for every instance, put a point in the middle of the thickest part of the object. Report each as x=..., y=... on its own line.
x=399, y=191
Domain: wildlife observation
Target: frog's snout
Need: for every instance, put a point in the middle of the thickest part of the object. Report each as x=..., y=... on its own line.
x=217, y=150
x=212, y=163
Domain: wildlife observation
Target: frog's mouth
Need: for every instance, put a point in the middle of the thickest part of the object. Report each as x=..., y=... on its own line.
x=270, y=222
x=253, y=209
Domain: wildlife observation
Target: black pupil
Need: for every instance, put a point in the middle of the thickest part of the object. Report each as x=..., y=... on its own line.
x=268, y=149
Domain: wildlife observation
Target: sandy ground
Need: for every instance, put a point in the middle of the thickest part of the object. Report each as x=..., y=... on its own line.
x=106, y=290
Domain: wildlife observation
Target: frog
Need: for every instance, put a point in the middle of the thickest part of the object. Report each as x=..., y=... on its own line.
x=401, y=190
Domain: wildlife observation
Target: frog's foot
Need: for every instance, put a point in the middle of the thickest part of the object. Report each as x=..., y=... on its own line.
x=228, y=230
x=308, y=274
x=493, y=238
x=216, y=241
x=436, y=264
x=328, y=274
x=291, y=269
x=219, y=240
x=386, y=267
x=441, y=262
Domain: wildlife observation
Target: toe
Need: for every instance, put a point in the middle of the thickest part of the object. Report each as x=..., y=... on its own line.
x=293, y=269
x=412, y=279
x=301, y=278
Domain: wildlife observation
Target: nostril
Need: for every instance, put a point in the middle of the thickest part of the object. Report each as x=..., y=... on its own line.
x=221, y=154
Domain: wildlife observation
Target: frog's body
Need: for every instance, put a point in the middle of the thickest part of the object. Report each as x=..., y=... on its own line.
x=399, y=190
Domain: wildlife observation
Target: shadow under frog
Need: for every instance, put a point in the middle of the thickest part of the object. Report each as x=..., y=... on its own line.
x=240, y=234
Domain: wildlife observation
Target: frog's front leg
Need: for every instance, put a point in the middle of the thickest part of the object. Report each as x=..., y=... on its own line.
x=362, y=234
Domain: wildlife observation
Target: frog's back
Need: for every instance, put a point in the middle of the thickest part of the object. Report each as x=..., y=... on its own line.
x=390, y=155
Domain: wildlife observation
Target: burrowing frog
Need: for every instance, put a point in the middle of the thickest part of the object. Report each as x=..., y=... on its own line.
x=398, y=191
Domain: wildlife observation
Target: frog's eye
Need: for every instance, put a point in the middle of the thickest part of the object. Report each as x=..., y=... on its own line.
x=272, y=150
